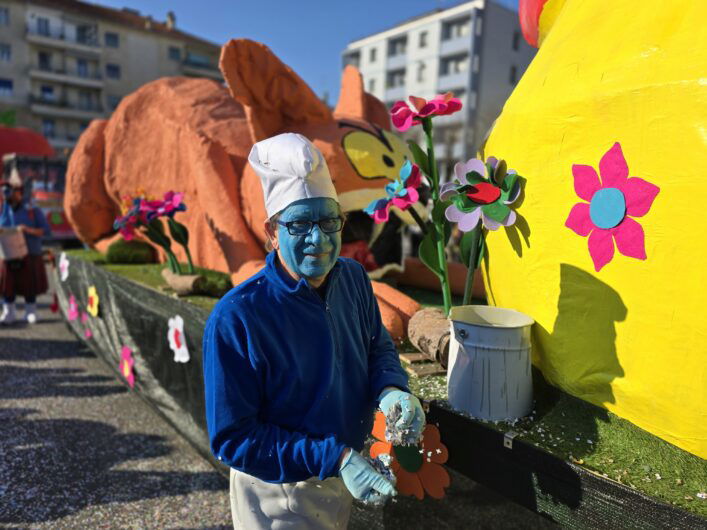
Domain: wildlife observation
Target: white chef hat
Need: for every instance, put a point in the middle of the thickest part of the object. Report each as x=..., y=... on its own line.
x=290, y=168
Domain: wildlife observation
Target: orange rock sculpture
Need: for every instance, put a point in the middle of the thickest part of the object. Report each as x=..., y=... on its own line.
x=194, y=135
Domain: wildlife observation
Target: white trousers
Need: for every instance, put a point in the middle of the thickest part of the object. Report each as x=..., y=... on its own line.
x=312, y=504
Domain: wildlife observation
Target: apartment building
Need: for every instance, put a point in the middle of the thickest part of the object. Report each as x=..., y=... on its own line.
x=474, y=49
x=66, y=62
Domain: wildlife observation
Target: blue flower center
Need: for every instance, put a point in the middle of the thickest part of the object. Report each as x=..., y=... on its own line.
x=608, y=208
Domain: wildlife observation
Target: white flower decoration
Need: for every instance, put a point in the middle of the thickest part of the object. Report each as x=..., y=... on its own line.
x=63, y=267
x=177, y=340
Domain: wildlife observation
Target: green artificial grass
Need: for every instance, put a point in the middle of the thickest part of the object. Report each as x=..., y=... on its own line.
x=601, y=442
x=565, y=426
x=150, y=274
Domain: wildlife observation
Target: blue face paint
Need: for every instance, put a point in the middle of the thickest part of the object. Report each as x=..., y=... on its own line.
x=311, y=256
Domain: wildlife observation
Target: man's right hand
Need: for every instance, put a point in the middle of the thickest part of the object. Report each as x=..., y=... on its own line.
x=364, y=482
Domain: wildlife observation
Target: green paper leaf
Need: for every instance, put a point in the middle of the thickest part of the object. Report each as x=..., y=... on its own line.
x=482, y=249
x=156, y=235
x=474, y=178
x=469, y=242
x=464, y=203
x=178, y=231
x=509, y=181
x=427, y=252
x=496, y=211
x=438, y=211
x=420, y=157
x=500, y=172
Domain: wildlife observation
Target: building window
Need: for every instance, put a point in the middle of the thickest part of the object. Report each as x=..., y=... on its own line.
x=352, y=58
x=112, y=40
x=5, y=52
x=83, y=126
x=456, y=29
x=372, y=55
x=113, y=71
x=46, y=93
x=397, y=46
x=48, y=128
x=4, y=16
x=475, y=65
x=512, y=77
x=45, y=60
x=174, y=53
x=423, y=39
x=478, y=23
x=5, y=87
x=454, y=65
x=371, y=85
x=85, y=100
x=421, y=72
x=396, y=78
x=113, y=101
x=43, y=26
x=516, y=40
x=82, y=67
x=86, y=35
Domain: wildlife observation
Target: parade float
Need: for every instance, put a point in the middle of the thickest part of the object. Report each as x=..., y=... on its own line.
x=592, y=451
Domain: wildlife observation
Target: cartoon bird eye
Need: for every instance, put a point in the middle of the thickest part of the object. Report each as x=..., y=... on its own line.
x=371, y=157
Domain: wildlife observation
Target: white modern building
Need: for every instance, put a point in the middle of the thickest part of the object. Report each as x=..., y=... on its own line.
x=474, y=49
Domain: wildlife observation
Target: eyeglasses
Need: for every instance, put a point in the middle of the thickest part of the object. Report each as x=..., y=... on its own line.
x=303, y=228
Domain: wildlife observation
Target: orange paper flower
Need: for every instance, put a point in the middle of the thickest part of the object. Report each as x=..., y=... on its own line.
x=418, y=469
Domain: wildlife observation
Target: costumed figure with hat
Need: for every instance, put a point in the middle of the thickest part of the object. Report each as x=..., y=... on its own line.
x=24, y=276
x=296, y=360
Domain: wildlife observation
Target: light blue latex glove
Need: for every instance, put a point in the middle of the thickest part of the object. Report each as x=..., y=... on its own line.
x=412, y=418
x=364, y=482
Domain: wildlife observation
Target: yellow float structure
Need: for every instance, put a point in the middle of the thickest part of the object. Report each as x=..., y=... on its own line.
x=609, y=128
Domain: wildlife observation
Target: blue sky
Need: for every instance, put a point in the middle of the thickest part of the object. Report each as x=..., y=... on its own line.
x=307, y=35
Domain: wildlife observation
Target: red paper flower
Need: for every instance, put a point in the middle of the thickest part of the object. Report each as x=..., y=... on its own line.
x=126, y=365
x=404, y=117
x=418, y=469
x=607, y=216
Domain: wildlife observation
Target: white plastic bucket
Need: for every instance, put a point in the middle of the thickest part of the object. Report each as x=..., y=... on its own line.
x=489, y=375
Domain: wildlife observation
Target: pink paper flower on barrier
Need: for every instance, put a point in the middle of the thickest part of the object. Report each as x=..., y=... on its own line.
x=126, y=365
x=607, y=216
x=72, y=312
x=441, y=105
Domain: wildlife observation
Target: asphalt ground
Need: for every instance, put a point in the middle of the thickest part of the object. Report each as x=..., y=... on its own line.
x=79, y=450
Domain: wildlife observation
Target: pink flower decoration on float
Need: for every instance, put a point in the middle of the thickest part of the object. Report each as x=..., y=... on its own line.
x=73, y=311
x=402, y=193
x=441, y=105
x=126, y=365
x=607, y=217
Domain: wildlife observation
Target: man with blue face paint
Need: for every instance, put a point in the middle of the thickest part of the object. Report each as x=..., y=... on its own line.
x=296, y=359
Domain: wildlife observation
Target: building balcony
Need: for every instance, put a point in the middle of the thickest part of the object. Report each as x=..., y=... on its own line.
x=453, y=81
x=62, y=108
x=56, y=39
x=455, y=46
x=449, y=152
x=59, y=143
x=68, y=77
x=396, y=62
x=199, y=69
x=395, y=93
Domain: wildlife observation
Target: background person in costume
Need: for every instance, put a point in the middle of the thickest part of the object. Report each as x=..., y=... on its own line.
x=296, y=359
x=25, y=277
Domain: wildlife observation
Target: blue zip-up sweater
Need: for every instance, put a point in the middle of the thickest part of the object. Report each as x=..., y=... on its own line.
x=291, y=379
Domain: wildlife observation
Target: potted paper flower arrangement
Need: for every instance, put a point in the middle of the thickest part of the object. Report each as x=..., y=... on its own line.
x=144, y=217
x=489, y=353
